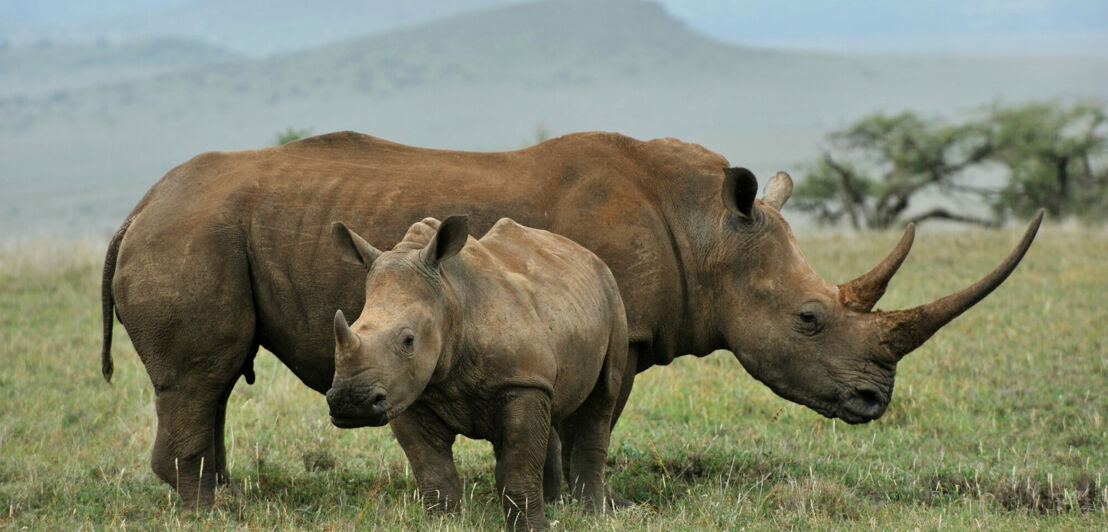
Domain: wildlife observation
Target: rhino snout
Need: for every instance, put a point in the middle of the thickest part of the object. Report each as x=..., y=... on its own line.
x=354, y=407
x=865, y=404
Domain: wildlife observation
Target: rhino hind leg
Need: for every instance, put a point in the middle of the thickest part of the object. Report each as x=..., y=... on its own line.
x=189, y=449
x=189, y=452
x=194, y=345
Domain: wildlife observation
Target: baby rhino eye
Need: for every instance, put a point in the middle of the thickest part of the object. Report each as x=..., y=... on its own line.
x=808, y=317
x=406, y=339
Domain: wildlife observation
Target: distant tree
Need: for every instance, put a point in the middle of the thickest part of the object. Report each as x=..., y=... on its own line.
x=290, y=134
x=885, y=162
x=542, y=134
x=1055, y=155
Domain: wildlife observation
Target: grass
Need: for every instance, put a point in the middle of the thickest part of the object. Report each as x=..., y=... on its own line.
x=997, y=423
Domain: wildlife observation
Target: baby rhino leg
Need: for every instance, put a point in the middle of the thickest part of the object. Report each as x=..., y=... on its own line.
x=521, y=451
x=428, y=445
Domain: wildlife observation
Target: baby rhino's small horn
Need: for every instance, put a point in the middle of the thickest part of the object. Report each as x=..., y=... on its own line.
x=345, y=339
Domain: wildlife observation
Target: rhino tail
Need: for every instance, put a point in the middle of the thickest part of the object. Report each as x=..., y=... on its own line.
x=107, y=302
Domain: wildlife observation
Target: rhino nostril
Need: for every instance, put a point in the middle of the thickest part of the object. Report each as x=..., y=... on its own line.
x=376, y=398
x=869, y=400
x=869, y=395
x=378, y=404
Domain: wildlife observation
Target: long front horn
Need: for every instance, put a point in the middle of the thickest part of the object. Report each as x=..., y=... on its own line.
x=344, y=337
x=861, y=294
x=905, y=330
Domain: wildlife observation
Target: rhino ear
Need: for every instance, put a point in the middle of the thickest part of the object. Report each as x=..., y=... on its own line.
x=448, y=241
x=740, y=187
x=351, y=247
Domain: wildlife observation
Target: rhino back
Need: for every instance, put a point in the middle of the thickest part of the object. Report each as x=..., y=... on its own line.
x=539, y=311
x=262, y=216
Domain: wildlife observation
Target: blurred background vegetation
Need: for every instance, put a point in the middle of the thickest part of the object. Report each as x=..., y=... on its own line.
x=290, y=134
x=1047, y=154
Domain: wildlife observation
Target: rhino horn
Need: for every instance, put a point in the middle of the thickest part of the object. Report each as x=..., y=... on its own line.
x=778, y=190
x=344, y=337
x=905, y=330
x=861, y=294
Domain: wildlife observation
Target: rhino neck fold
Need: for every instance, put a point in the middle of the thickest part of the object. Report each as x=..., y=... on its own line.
x=454, y=320
x=699, y=332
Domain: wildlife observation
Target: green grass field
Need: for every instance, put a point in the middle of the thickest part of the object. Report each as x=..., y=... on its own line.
x=997, y=423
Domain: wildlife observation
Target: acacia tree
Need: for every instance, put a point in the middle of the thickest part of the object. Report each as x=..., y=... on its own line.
x=1055, y=155
x=885, y=162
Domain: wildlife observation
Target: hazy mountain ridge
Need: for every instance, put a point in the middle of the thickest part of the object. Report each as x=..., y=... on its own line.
x=484, y=81
x=46, y=67
x=252, y=27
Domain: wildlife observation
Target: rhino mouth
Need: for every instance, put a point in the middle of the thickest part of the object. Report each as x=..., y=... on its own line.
x=863, y=405
x=358, y=422
x=354, y=407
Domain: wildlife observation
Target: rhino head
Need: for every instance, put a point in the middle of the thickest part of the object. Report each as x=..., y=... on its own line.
x=387, y=357
x=810, y=341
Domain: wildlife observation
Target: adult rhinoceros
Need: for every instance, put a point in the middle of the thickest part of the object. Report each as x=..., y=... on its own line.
x=231, y=251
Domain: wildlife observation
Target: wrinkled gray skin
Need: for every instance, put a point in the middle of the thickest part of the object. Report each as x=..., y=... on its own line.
x=230, y=251
x=496, y=339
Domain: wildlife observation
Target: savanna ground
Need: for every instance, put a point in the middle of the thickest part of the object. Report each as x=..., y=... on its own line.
x=997, y=423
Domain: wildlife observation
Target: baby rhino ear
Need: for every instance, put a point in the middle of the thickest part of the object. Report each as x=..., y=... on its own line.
x=351, y=247
x=448, y=241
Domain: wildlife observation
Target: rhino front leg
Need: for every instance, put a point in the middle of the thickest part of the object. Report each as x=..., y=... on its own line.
x=552, y=469
x=428, y=444
x=569, y=429
x=590, y=426
x=521, y=452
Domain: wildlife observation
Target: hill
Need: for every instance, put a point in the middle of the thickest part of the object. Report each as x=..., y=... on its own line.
x=250, y=27
x=77, y=161
x=47, y=67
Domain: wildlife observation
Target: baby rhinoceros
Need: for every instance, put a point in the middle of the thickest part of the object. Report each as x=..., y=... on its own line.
x=500, y=339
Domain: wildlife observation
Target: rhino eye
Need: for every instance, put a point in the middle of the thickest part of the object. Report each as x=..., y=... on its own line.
x=808, y=323
x=406, y=340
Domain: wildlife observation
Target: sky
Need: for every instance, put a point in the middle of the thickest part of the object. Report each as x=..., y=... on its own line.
x=1020, y=27
x=935, y=26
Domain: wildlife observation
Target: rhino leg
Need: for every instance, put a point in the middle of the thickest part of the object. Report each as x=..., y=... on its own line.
x=630, y=369
x=568, y=431
x=194, y=343
x=565, y=438
x=428, y=445
x=520, y=455
x=552, y=469
x=590, y=427
x=189, y=452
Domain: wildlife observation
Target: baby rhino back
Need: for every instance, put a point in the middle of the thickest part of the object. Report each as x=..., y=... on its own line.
x=548, y=304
